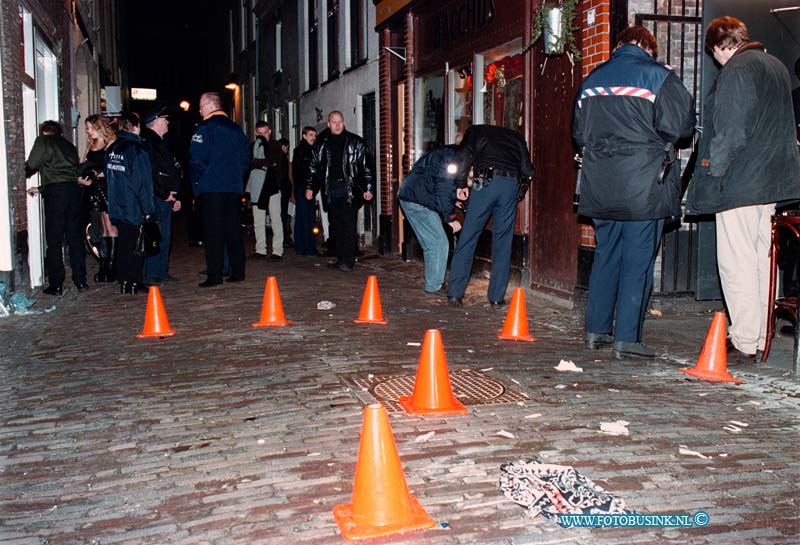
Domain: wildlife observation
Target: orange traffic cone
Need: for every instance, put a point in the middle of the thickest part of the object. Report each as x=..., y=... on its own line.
x=516, y=326
x=381, y=503
x=272, y=308
x=156, y=323
x=371, y=311
x=433, y=394
x=712, y=363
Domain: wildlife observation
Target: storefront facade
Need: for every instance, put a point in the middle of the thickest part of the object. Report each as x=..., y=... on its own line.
x=446, y=65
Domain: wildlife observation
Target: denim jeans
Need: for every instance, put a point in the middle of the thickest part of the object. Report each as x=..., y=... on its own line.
x=427, y=225
x=157, y=266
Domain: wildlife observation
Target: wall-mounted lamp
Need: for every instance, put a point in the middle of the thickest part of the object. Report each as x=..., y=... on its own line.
x=184, y=105
x=233, y=83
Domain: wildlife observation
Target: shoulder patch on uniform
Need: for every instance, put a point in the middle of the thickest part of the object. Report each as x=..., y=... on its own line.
x=197, y=138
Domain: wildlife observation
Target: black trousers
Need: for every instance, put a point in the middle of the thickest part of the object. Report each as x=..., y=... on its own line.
x=287, y=228
x=130, y=267
x=222, y=228
x=343, y=218
x=62, y=215
x=305, y=242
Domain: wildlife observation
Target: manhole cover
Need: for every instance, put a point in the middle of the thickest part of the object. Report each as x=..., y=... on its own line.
x=469, y=386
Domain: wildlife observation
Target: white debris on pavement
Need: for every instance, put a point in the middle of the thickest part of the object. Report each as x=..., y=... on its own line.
x=326, y=305
x=560, y=386
x=424, y=437
x=568, y=365
x=506, y=434
x=413, y=344
x=740, y=424
x=683, y=449
x=534, y=415
x=618, y=427
x=732, y=429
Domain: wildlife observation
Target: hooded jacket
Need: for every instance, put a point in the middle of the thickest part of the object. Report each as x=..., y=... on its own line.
x=430, y=184
x=129, y=175
x=748, y=152
x=630, y=112
x=220, y=156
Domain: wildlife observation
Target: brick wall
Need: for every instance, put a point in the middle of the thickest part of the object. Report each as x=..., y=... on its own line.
x=53, y=20
x=385, y=114
x=12, y=114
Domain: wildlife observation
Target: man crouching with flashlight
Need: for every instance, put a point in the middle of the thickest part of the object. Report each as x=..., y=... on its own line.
x=428, y=197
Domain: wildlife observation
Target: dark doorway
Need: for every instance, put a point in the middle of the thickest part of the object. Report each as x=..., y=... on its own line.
x=368, y=122
x=680, y=37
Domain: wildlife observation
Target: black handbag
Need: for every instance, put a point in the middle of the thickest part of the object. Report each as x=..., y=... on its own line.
x=148, y=243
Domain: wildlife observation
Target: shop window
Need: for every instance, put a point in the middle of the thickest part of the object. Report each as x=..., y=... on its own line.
x=430, y=112
x=358, y=35
x=503, y=87
x=461, y=105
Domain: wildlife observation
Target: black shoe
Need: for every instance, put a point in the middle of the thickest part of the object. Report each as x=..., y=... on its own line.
x=82, y=287
x=736, y=356
x=258, y=256
x=598, y=341
x=345, y=268
x=500, y=303
x=209, y=283
x=275, y=257
x=633, y=351
x=235, y=279
x=455, y=301
x=53, y=290
x=441, y=293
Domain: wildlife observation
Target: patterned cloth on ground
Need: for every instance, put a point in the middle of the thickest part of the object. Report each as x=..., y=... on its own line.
x=550, y=490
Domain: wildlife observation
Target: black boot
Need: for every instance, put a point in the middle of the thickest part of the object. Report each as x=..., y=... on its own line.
x=106, y=272
x=113, y=248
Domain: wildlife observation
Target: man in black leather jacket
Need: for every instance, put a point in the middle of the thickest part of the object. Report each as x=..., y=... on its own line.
x=339, y=162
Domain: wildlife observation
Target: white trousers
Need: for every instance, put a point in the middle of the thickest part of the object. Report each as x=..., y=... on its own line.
x=260, y=226
x=743, y=244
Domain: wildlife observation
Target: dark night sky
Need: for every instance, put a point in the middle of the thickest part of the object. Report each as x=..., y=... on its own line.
x=175, y=46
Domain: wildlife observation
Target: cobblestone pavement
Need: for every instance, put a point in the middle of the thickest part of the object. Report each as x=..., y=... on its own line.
x=226, y=434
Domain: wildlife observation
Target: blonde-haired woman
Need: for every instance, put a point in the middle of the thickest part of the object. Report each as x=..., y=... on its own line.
x=101, y=134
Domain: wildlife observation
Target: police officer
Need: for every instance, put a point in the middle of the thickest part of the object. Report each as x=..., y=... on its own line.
x=630, y=113
x=503, y=171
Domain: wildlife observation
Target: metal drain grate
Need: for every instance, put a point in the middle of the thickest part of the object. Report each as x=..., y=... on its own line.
x=471, y=387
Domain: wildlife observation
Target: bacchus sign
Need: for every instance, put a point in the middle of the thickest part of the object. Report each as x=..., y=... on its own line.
x=461, y=19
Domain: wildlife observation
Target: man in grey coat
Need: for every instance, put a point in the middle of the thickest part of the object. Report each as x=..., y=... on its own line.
x=747, y=162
